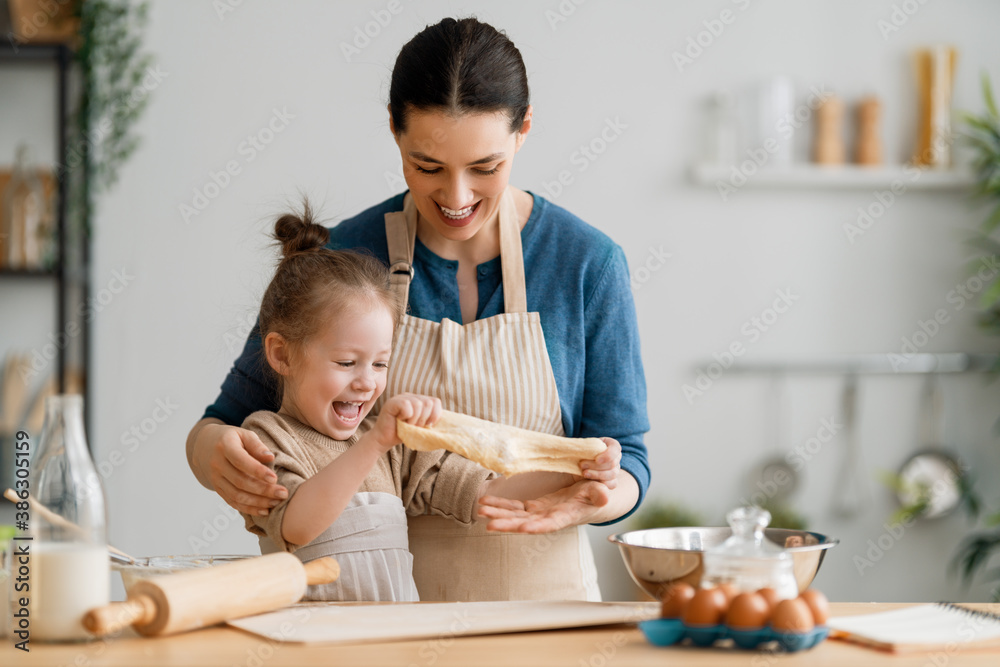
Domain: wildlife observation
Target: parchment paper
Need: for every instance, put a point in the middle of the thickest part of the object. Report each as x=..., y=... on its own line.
x=334, y=623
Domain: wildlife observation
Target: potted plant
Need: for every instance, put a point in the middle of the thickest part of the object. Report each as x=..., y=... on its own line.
x=980, y=548
x=783, y=515
x=659, y=513
x=116, y=86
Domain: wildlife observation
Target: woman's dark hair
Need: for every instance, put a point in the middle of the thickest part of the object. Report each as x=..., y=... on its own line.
x=314, y=283
x=459, y=66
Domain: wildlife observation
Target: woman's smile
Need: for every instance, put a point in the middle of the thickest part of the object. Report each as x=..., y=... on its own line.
x=460, y=217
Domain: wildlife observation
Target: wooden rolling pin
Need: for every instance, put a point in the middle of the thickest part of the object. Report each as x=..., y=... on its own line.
x=173, y=603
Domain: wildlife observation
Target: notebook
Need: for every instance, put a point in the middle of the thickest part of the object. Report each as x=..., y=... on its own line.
x=943, y=626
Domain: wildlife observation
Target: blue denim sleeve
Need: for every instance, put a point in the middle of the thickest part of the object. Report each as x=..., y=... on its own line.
x=247, y=388
x=614, y=400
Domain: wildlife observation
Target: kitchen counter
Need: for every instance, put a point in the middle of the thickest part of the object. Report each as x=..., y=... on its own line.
x=589, y=647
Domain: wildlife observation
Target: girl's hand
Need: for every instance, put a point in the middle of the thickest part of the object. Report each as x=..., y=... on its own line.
x=413, y=409
x=605, y=467
x=571, y=506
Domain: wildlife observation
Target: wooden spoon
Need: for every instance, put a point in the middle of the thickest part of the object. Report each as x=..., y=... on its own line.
x=54, y=518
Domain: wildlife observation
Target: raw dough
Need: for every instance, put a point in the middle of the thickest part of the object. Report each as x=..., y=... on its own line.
x=504, y=449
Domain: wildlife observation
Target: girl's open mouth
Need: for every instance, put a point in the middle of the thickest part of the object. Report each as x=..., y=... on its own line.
x=348, y=412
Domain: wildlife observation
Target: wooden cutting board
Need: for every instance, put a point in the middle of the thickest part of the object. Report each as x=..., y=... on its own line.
x=333, y=623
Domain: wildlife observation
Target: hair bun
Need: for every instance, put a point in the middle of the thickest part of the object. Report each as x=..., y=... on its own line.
x=299, y=233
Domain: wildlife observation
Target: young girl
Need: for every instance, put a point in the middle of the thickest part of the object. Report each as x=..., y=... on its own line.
x=327, y=321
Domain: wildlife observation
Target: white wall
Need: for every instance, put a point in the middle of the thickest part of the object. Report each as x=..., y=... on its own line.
x=173, y=333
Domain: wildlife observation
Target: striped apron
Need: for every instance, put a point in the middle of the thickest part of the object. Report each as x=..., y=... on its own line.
x=496, y=369
x=369, y=542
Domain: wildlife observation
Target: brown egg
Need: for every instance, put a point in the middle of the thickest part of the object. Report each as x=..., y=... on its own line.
x=747, y=611
x=770, y=597
x=706, y=607
x=818, y=605
x=675, y=599
x=792, y=616
x=730, y=591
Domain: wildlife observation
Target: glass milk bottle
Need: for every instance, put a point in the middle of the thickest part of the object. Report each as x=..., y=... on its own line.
x=70, y=572
x=748, y=560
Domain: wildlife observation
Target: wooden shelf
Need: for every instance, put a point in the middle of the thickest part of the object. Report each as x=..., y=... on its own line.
x=846, y=177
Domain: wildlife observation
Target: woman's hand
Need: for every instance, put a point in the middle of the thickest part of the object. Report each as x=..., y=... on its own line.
x=604, y=493
x=234, y=460
x=573, y=505
x=411, y=408
x=606, y=466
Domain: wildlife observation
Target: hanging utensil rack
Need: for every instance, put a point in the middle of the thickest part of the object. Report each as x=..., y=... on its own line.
x=870, y=364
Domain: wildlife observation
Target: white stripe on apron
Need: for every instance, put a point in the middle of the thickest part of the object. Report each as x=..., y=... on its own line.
x=497, y=369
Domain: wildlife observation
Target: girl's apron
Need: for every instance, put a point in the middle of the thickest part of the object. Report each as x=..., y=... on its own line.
x=369, y=542
x=496, y=369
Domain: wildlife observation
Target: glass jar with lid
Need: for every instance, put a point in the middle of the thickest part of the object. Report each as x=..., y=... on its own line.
x=748, y=560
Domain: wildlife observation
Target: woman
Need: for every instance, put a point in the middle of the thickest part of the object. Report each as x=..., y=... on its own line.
x=549, y=342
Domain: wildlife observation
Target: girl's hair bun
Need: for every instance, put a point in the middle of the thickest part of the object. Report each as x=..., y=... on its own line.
x=299, y=233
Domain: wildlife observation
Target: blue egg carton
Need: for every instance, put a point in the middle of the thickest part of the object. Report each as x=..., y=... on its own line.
x=670, y=631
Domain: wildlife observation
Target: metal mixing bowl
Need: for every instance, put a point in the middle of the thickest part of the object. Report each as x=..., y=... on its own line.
x=659, y=557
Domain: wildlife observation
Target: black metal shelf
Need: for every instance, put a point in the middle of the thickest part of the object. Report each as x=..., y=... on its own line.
x=12, y=54
x=29, y=273
x=11, y=51
x=887, y=363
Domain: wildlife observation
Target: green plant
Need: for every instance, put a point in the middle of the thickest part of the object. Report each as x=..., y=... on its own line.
x=978, y=549
x=975, y=553
x=922, y=494
x=984, y=137
x=783, y=516
x=665, y=514
x=116, y=82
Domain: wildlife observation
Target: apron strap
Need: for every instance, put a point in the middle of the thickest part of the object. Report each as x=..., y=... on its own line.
x=401, y=233
x=511, y=257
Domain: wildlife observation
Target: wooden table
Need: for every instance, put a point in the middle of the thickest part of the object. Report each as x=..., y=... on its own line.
x=592, y=647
